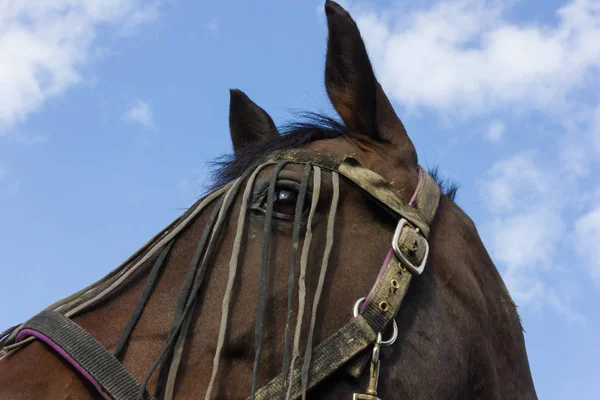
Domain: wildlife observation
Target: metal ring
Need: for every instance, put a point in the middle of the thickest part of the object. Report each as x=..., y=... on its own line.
x=357, y=306
x=376, y=349
x=384, y=343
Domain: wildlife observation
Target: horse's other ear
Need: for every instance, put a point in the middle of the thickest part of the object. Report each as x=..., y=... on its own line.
x=248, y=123
x=351, y=84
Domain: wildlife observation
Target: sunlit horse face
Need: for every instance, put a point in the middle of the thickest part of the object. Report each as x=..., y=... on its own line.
x=459, y=333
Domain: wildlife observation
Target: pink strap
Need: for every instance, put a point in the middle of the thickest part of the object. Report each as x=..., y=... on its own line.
x=391, y=252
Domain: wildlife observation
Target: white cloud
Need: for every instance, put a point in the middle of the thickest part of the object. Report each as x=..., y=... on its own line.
x=47, y=43
x=8, y=187
x=587, y=238
x=467, y=58
x=596, y=129
x=495, y=131
x=527, y=227
x=140, y=112
x=530, y=236
x=213, y=26
x=562, y=308
x=141, y=15
x=27, y=139
x=575, y=157
x=527, y=239
x=11, y=188
x=515, y=182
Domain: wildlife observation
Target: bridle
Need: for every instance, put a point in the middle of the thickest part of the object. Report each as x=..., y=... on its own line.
x=343, y=349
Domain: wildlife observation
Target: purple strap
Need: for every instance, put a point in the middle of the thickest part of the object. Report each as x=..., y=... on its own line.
x=24, y=333
x=86, y=354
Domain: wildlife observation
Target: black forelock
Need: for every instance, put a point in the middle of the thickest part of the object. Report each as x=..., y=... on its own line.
x=310, y=128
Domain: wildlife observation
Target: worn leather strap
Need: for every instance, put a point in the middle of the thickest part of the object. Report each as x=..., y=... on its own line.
x=84, y=353
x=382, y=191
x=373, y=185
x=412, y=245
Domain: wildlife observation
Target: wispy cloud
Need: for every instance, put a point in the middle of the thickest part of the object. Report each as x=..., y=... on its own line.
x=213, y=26
x=142, y=14
x=495, y=131
x=140, y=112
x=27, y=139
x=516, y=181
x=587, y=241
x=48, y=43
x=8, y=187
x=528, y=234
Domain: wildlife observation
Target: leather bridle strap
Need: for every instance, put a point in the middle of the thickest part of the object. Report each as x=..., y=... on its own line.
x=88, y=356
x=384, y=301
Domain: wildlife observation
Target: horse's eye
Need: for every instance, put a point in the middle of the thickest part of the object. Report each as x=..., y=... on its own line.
x=285, y=198
x=284, y=203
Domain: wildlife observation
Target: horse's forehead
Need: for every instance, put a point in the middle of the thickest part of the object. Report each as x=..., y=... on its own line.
x=375, y=156
x=336, y=147
x=371, y=154
x=305, y=156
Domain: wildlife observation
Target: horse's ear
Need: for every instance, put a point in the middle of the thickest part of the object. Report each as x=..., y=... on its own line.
x=351, y=84
x=248, y=123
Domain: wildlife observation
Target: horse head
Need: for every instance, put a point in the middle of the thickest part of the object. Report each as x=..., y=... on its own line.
x=319, y=244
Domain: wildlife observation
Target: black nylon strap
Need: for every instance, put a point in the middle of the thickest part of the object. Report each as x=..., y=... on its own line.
x=90, y=354
x=181, y=301
x=287, y=347
x=193, y=282
x=264, y=264
x=151, y=282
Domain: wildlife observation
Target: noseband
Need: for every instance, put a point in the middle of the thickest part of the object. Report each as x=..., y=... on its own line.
x=343, y=349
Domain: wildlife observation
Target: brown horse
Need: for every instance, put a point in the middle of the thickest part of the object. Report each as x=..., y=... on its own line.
x=459, y=335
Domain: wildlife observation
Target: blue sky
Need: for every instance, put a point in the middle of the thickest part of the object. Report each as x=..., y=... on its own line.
x=110, y=110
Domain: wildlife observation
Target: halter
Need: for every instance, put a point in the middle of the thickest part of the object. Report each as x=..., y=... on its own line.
x=343, y=349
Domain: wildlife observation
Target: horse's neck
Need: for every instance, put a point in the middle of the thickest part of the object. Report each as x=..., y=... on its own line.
x=492, y=326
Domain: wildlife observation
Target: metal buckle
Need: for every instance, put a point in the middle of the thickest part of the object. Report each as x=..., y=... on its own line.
x=417, y=270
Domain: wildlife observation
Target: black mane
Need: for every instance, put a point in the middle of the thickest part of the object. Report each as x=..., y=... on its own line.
x=310, y=128
x=448, y=186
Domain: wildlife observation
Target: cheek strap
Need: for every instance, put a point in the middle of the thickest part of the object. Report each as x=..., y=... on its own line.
x=407, y=258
